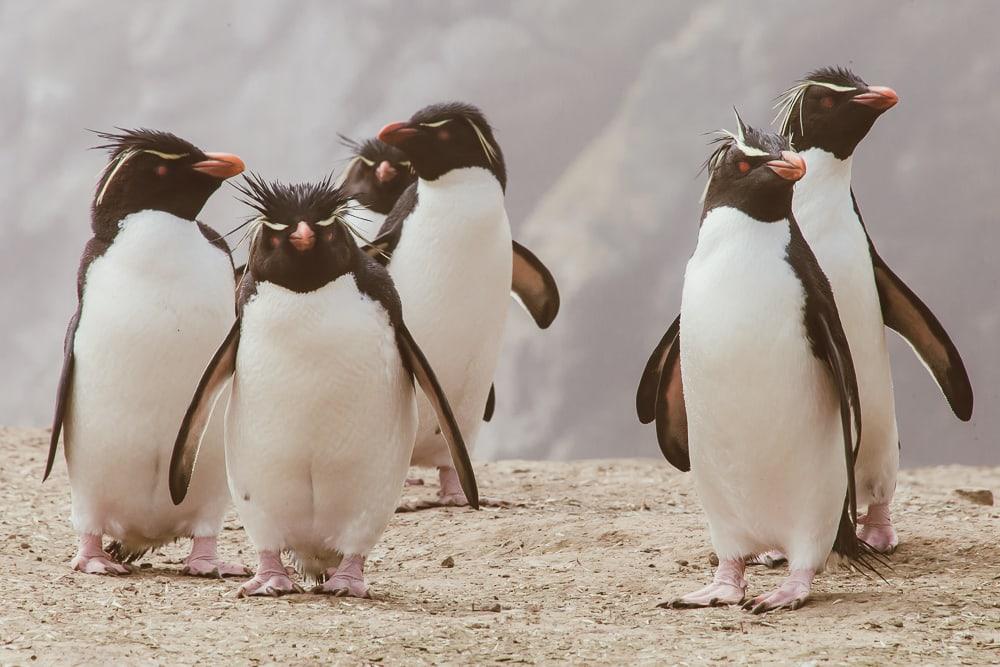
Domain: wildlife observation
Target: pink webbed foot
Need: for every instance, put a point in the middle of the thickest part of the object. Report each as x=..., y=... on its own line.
x=769, y=559
x=449, y=495
x=347, y=580
x=792, y=594
x=91, y=558
x=877, y=530
x=728, y=587
x=204, y=561
x=270, y=579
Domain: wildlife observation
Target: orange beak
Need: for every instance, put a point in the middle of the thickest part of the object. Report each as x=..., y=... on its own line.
x=878, y=97
x=791, y=166
x=303, y=237
x=220, y=165
x=385, y=172
x=396, y=133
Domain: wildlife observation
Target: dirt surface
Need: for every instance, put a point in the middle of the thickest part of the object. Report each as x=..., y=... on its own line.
x=572, y=575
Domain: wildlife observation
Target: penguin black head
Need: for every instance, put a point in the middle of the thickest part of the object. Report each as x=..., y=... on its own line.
x=753, y=171
x=302, y=240
x=832, y=109
x=154, y=170
x=443, y=137
x=378, y=174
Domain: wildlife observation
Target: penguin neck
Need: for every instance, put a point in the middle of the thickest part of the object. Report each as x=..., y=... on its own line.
x=463, y=195
x=825, y=170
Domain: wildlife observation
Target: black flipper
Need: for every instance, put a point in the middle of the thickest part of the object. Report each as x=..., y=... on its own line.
x=671, y=415
x=213, y=382
x=94, y=249
x=534, y=286
x=645, y=396
x=491, y=404
x=385, y=242
x=907, y=315
x=417, y=363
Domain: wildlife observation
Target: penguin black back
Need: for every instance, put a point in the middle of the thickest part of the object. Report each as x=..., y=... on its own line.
x=443, y=137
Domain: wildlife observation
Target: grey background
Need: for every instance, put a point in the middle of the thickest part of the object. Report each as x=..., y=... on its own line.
x=599, y=108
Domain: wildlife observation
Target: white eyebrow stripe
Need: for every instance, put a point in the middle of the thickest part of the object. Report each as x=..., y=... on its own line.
x=437, y=123
x=166, y=156
x=127, y=155
x=487, y=148
x=370, y=163
x=786, y=102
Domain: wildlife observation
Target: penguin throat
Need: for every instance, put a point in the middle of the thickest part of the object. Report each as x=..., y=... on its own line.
x=826, y=170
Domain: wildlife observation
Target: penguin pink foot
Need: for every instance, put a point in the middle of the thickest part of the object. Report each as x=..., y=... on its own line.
x=792, y=594
x=414, y=481
x=271, y=578
x=728, y=587
x=204, y=561
x=449, y=495
x=347, y=580
x=91, y=558
x=769, y=559
x=877, y=530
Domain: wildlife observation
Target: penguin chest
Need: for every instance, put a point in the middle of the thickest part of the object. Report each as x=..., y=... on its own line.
x=321, y=421
x=759, y=404
x=365, y=221
x=452, y=268
x=155, y=307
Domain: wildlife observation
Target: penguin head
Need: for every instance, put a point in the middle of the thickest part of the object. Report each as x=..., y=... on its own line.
x=832, y=109
x=301, y=238
x=443, y=137
x=154, y=170
x=753, y=171
x=377, y=175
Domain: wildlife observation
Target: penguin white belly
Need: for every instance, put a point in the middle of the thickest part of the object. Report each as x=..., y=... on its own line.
x=825, y=213
x=156, y=306
x=321, y=422
x=763, y=416
x=452, y=269
x=365, y=220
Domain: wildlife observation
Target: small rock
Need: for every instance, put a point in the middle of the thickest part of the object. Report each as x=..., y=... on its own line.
x=25, y=545
x=496, y=608
x=682, y=563
x=145, y=566
x=448, y=562
x=713, y=559
x=977, y=496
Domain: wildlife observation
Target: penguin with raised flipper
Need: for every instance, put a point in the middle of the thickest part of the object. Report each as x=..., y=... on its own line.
x=155, y=290
x=323, y=414
x=758, y=387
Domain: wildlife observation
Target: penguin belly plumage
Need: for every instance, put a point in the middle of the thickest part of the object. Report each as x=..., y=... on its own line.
x=321, y=423
x=155, y=305
x=825, y=212
x=764, y=427
x=452, y=269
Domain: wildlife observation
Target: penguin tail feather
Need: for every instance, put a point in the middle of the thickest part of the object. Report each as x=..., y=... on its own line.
x=124, y=552
x=313, y=566
x=855, y=552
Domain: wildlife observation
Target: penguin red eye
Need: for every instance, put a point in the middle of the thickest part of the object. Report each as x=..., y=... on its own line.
x=444, y=135
x=826, y=102
x=743, y=166
x=162, y=170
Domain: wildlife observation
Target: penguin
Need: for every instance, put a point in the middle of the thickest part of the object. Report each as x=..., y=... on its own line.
x=827, y=114
x=758, y=387
x=376, y=177
x=323, y=413
x=155, y=292
x=447, y=244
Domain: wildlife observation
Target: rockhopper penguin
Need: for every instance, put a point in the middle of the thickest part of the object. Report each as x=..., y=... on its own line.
x=323, y=414
x=155, y=291
x=758, y=383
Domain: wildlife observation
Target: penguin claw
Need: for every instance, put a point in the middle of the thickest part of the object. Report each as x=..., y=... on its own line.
x=100, y=565
x=792, y=594
x=716, y=594
x=272, y=585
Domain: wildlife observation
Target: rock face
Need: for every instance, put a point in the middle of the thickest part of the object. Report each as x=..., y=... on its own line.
x=599, y=112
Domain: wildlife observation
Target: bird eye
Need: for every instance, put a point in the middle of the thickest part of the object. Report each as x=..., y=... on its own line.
x=826, y=102
x=444, y=135
x=162, y=170
x=276, y=226
x=743, y=166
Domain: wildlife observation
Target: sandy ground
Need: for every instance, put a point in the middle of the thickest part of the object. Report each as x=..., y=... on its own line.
x=572, y=575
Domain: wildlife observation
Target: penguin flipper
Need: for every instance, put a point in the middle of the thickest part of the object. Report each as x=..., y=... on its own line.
x=415, y=360
x=491, y=404
x=906, y=314
x=385, y=242
x=670, y=412
x=92, y=250
x=62, y=394
x=534, y=287
x=645, y=396
x=220, y=369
